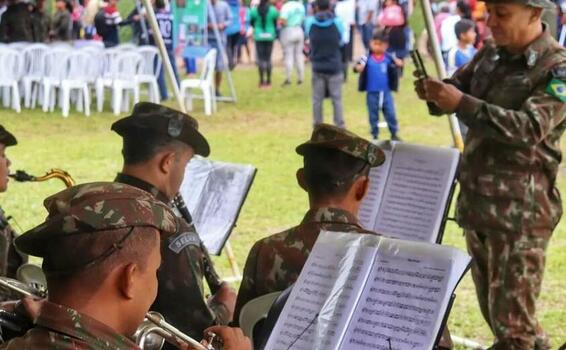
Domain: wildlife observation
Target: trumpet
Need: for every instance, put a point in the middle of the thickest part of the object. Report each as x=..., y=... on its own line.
x=22, y=176
x=150, y=335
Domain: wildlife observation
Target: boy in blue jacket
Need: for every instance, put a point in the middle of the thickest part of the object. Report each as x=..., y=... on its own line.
x=379, y=77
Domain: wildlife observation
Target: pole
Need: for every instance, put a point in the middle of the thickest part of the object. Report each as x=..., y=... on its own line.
x=440, y=69
x=163, y=52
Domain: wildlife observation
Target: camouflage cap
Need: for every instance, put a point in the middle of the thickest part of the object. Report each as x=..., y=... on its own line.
x=96, y=207
x=6, y=138
x=329, y=136
x=534, y=3
x=164, y=120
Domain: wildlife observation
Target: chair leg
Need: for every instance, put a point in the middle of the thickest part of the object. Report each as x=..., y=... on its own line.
x=86, y=100
x=116, y=99
x=16, y=97
x=46, y=97
x=207, y=101
x=99, y=96
x=27, y=92
x=65, y=100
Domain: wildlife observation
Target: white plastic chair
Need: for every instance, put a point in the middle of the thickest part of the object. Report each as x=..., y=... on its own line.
x=108, y=69
x=76, y=79
x=34, y=58
x=205, y=83
x=11, y=62
x=126, y=47
x=150, y=71
x=81, y=44
x=55, y=72
x=254, y=311
x=19, y=45
x=121, y=80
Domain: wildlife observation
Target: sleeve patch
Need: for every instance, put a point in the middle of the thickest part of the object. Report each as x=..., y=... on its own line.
x=559, y=73
x=557, y=88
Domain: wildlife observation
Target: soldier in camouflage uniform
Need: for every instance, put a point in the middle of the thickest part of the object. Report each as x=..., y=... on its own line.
x=511, y=96
x=100, y=249
x=335, y=175
x=10, y=258
x=158, y=142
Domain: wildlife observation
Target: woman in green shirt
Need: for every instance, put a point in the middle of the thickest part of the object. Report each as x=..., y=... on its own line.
x=263, y=19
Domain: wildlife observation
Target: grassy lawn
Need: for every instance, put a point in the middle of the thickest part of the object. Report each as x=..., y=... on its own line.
x=262, y=129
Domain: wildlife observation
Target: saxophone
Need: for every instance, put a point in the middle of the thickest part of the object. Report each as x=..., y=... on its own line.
x=22, y=176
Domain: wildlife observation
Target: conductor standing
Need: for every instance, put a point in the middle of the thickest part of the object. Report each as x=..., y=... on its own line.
x=511, y=96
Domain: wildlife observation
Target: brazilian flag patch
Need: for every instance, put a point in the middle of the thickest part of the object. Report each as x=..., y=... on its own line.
x=557, y=88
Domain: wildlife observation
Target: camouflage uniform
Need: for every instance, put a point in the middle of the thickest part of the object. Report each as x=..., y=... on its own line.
x=95, y=208
x=62, y=328
x=508, y=203
x=274, y=262
x=10, y=258
x=181, y=297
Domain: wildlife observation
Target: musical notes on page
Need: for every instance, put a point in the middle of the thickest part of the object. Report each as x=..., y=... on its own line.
x=418, y=186
x=319, y=307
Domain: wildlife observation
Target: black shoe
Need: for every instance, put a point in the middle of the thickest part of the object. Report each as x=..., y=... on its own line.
x=299, y=82
x=396, y=138
x=218, y=94
x=286, y=83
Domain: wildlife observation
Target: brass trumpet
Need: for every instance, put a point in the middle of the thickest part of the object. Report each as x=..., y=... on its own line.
x=22, y=176
x=150, y=335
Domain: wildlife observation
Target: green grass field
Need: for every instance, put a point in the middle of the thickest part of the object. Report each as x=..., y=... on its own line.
x=262, y=129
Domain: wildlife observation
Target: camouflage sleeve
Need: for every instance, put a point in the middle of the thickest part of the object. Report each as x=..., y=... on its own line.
x=537, y=117
x=248, y=288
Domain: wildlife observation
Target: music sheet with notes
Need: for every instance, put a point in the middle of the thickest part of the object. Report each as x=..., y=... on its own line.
x=408, y=194
x=360, y=291
x=214, y=193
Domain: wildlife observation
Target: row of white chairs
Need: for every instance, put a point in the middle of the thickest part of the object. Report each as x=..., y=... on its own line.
x=41, y=73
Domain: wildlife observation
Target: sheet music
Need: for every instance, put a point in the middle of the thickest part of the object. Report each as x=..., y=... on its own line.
x=405, y=297
x=214, y=192
x=378, y=178
x=320, y=305
x=418, y=186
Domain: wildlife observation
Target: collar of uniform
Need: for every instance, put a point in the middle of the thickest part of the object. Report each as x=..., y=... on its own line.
x=69, y=322
x=533, y=52
x=142, y=185
x=334, y=215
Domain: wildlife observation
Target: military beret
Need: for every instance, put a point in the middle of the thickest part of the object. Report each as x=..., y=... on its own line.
x=94, y=208
x=329, y=136
x=156, y=118
x=533, y=3
x=6, y=138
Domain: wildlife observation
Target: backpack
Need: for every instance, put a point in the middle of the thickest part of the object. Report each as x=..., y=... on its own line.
x=100, y=22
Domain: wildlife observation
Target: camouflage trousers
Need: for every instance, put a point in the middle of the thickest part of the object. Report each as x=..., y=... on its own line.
x=507, y=270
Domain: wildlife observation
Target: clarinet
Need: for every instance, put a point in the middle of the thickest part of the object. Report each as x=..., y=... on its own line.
x=212, y=278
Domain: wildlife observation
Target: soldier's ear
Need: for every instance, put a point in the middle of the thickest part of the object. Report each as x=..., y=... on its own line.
x=127, y=279
x=301, y=179
x=536, y=14
x=361, y=187
x=166, y=161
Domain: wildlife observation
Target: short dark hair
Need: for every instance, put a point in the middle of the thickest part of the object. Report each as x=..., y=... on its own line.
x=160, y=4
x=463, y=26
x=141, y=145
x=331, y=173
x=380, y=35
x=81, y=249
x=322, y=5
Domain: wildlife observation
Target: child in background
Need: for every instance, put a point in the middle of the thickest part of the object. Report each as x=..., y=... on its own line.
x=379, y=77
x=464, y=51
